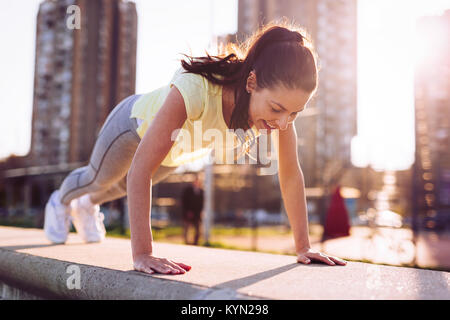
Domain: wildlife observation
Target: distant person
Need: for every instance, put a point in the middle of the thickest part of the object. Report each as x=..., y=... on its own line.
x=260, y=89
x=337, y=223
x=192, y=207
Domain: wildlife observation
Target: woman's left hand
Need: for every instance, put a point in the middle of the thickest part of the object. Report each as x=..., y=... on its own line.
x=307, y=255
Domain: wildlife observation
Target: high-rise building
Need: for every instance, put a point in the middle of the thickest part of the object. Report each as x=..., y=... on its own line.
x=328, y=124
x=80, y=75
x=431, y=181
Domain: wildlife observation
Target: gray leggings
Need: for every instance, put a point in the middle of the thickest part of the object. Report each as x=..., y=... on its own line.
x=104, y=178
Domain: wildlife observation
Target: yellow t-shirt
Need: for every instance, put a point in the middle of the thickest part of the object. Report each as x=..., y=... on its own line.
x=204, y=128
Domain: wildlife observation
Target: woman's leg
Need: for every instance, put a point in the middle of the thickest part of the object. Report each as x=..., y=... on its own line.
x=102, y=180
x=119, y=189
x=111, y=157
x=109, y=162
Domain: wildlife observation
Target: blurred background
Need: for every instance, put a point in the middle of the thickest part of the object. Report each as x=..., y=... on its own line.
x=374, y=142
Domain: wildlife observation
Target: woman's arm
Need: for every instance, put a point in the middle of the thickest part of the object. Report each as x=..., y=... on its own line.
x=151, y=151
x=292, y=187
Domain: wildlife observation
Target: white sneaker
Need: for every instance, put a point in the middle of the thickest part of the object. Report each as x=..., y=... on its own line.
x=87, y=219
x=57, y=219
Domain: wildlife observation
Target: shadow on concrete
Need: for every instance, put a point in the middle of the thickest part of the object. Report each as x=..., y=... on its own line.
x=237, y=283
x=249, y=280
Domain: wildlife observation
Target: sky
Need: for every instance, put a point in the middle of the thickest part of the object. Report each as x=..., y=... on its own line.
x=17, y=70
x=159, y=44
x=192, y=27
x=385, y=138
x=386, y=47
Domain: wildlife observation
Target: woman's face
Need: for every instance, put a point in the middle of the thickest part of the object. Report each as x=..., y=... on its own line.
x=274, y=108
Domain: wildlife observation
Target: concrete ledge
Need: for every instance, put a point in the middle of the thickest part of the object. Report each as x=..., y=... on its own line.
x=47, y=278
x=30, y=264
x=8, y=292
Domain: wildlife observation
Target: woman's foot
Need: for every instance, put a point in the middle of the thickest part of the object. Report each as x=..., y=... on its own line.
x=57, y=219
x=87, y=219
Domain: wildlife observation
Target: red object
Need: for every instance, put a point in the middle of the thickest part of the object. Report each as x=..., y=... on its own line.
x=337, y=223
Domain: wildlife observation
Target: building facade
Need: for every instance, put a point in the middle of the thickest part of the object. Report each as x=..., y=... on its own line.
x=326, y=127
x=80, y=75
x=431, y=179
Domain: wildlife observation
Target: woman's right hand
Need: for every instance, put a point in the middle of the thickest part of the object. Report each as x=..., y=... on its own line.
x=149, y=264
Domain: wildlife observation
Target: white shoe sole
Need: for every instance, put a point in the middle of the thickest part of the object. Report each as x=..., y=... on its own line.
x=55, y=236
x=88, y=237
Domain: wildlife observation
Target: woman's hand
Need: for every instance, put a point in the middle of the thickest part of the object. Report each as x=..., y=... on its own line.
x=307, y=255
x=150, y=264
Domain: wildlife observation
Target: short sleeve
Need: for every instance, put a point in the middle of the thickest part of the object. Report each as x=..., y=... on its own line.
x=193, y=89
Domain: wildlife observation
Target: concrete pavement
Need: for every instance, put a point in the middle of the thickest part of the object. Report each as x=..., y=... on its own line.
x=387, y=246
x=30, y=262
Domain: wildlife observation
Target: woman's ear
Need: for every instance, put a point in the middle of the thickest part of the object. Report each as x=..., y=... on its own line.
x=251, y=82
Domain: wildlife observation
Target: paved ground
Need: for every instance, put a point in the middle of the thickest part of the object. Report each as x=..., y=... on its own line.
x=387, y=246
x=106, y=272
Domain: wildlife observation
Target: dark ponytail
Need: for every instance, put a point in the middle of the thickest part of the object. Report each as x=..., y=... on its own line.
x=278, y=54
